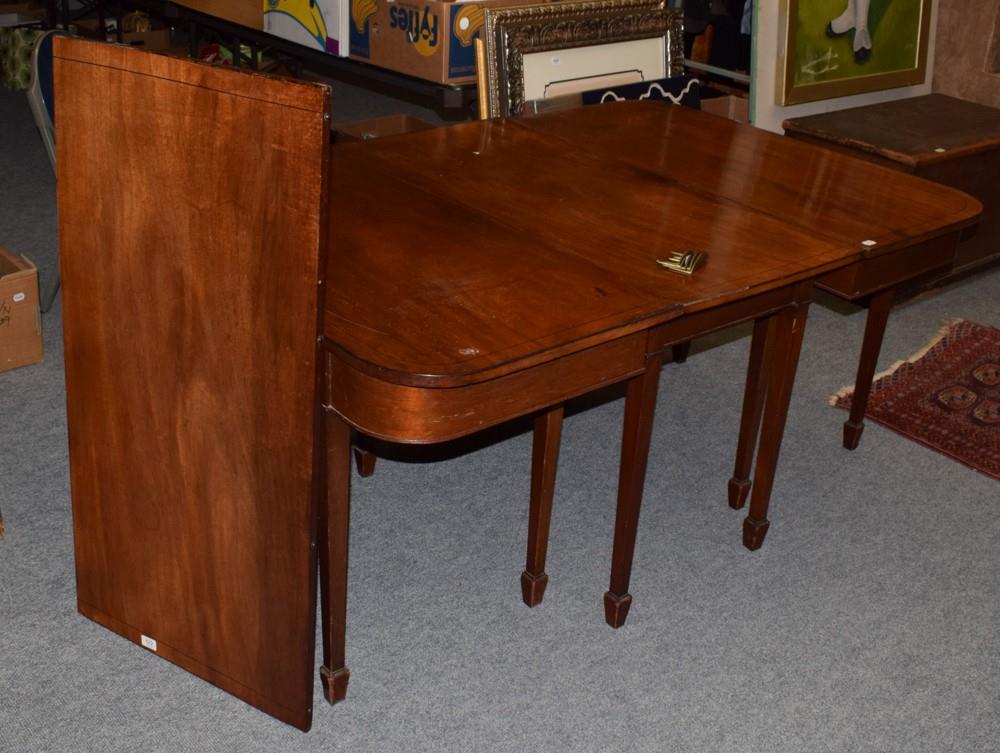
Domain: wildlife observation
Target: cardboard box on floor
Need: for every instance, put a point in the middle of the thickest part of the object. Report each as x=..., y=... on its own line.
x=729, y=106
x=20, y=320
x=428, y=39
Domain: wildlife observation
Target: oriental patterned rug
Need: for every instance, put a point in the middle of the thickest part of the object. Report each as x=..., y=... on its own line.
x=946, y=397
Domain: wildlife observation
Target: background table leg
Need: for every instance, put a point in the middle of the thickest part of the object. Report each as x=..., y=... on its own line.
x=640, y=407
x=878, y=315
x=334, y=524
x=544, y=458
x=789, y=329
x=365, y=461
x=679, y=351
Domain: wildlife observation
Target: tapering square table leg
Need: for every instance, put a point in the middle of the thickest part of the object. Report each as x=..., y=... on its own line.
x=788, y=333
x=640, y=407
x=878, y=315
x=365, y=461
x=334, y=526
x=753, y=408
x=544, y=459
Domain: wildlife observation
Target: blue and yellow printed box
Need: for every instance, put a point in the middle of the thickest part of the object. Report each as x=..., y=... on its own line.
x=320, y=24
x=429, y=39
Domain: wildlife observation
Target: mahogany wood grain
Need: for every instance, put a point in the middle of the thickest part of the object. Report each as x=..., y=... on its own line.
x=914, y=132
x=706, y=321
x=837, y=200
x=769, y=346
x=899, y=234
x=767, y=310
x=524, y=253
x=421, y=415
x=544, y=459
x=871, y=274
x=679, y=351
x=191, y=300
x=943, y=139
x=587, y=235
x=365, y=461
x=878, y=278
x=787, y=341
x=977, y=176
x=640, y=406
x=753, y=402
x=474, y=274
x=878, y=316
x=334, y=530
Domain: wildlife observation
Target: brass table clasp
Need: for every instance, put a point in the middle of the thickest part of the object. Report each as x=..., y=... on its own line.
x=683, y=262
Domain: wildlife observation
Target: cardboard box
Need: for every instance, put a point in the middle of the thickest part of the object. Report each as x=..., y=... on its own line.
x=10, y=20
x=729, y=106
x=376, y=128
x=244, y=12
x=429, y=39
x=154, y=39
x=34, y=8
x=20, y=319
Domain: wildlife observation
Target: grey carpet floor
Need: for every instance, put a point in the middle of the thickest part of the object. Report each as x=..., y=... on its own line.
x=868, y=621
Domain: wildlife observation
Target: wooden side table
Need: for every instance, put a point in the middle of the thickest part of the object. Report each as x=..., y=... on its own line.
x=947, y=140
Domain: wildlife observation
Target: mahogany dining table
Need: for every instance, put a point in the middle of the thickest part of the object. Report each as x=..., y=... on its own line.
x=496, y=269
x=242, y=300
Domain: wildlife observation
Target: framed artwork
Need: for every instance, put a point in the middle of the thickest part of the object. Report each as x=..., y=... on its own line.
x=679, y=90
x=533, y=51
x=834, y=48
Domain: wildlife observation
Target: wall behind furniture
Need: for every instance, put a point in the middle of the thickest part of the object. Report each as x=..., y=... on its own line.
x=768, y=115
x=966, y=64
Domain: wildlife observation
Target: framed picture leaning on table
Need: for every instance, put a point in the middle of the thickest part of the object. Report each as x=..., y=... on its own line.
x=535, y=52
x=834, y=48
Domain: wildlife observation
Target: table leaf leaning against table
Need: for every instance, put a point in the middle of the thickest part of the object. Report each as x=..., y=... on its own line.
x=210, y=310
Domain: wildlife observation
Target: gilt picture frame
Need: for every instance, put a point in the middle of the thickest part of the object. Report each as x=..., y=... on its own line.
x=512, y=33
x=836, y=48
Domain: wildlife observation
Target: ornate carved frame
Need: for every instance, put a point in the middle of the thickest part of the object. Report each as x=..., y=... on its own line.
x=511, y=33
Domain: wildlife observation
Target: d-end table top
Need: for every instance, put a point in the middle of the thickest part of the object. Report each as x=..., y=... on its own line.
x=460, y=254
x=916, y=131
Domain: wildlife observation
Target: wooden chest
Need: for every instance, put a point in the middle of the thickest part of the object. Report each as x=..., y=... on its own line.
x=937, y=137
